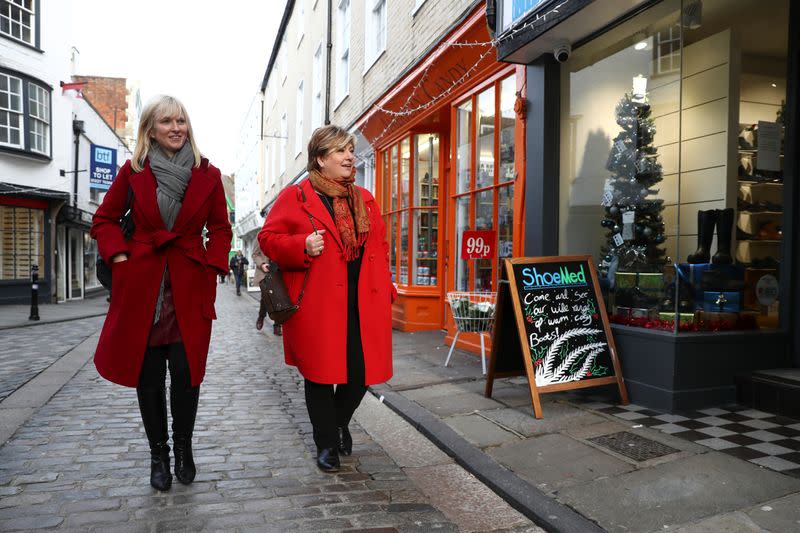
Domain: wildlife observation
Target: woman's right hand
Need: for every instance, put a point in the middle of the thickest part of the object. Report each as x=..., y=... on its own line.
x=119, y=258
x=314, y=243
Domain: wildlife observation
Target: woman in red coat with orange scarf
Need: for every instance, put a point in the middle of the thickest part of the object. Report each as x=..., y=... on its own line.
x=164, y=279
x=342, y=332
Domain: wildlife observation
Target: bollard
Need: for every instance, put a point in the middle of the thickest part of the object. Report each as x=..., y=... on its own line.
x=34, y=293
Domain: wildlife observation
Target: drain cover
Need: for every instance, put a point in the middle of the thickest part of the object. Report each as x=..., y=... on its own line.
x=632, y=445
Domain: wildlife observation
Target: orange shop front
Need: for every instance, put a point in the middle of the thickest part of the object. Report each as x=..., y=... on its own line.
x=450, y=160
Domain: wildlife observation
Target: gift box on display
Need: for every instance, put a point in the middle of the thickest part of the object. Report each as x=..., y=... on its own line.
x=751, y=279
x=685, y=318
x=722, y=301
x=643, y=280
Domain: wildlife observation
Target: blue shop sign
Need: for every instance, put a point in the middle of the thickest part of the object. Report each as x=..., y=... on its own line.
x=102, y=167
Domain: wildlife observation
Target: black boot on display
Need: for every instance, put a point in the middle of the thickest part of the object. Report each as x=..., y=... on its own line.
x=153, y=406
x=706, y=220
x=724, y=232
x=345, y=443
x=184, y=412
x=328, y=459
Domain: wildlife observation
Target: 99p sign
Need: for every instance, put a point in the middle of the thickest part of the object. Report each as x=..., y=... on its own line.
x=478, y=244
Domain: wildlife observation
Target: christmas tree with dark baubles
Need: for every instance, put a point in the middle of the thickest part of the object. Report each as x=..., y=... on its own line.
x=632, y=214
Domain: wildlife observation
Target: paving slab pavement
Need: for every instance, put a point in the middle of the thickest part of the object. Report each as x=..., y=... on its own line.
x=556, y=471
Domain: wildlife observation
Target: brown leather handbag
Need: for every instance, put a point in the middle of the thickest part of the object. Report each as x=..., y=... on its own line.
x=276, y=296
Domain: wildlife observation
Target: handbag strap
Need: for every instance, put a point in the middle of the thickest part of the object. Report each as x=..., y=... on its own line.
x=305, y=278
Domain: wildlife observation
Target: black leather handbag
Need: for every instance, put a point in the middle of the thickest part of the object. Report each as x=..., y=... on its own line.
x=126, y=225
x=276, y=296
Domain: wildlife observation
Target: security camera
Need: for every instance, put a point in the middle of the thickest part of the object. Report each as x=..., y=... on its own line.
x=561, y=52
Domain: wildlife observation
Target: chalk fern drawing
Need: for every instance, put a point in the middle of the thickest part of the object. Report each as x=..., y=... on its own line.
x=547, y=373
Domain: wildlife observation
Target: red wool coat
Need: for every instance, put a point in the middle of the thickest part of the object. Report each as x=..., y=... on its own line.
x=315, y=337
x=192, y=267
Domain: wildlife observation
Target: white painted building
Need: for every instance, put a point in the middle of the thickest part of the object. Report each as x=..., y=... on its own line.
x=45, y=212
x=250, y=178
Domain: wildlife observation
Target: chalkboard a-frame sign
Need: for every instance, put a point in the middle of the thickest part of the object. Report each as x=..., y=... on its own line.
x=551, y=325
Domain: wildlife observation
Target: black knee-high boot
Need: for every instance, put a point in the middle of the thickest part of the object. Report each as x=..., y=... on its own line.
x=184, y=411
x=153, y=406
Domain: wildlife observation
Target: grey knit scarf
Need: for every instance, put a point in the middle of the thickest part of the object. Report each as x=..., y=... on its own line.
x=172, y=178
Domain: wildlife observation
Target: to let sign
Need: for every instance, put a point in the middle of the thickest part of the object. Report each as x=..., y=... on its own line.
x=478, y=244
x=102, y=167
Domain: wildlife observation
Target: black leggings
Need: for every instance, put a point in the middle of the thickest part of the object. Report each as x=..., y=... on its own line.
x=154, y=367
x=329, y=409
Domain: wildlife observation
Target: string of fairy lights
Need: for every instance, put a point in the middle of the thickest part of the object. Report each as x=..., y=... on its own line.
x=514, y=32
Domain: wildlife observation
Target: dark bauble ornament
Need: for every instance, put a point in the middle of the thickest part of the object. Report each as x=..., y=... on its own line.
x=647, y=231
x=643, y=192
x=616, y=228
x=658, y=239
x=613, y=210
x=608, y=258
x=607, y=223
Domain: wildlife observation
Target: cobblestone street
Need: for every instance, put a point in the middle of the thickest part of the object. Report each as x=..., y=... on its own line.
x=81, y=462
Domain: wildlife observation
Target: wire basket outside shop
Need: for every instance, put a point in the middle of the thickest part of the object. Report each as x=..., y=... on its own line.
x=473, y=312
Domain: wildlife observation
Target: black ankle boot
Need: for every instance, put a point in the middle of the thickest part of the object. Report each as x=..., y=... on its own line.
x=705, y=234
x=345, y=440
x=328, y=460
x=724, y=233
x=184, y=412
x=160, y=476
x=153, y=406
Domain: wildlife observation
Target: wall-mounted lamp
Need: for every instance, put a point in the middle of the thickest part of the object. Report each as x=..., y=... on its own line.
x=640, y=40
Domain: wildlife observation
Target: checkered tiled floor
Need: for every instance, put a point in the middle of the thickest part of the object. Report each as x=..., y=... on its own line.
x=761, y=438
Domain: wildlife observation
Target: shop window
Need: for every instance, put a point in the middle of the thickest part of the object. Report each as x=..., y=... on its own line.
x=21, y=242
x=411, y=178
x=672, y=164
x=484, y=179
x=89, y=261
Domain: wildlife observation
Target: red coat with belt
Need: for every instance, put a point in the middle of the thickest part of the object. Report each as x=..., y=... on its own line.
x=193, y=267
x=315, y=337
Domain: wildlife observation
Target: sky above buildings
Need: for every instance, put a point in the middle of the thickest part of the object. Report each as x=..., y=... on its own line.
x=211, y=55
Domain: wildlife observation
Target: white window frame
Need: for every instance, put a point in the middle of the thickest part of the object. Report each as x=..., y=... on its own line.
x=17, y=18
x=299, y=134
x=316, y=89
x=39, y=116
x=342, y=50
x=269, y=175
x=11, y=111
x=301, y=21
x=417, y=4
x=374, y=31
x=282, y=156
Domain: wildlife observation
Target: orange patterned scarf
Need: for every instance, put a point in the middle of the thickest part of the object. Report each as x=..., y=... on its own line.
x=347, y=202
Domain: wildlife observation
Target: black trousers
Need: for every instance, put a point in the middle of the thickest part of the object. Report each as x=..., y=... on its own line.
x=329, y=407
x=154, y=368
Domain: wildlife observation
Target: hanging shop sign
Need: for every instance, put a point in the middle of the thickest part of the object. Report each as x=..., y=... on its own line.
x=102, y=167
x=551, y=325
x=479, y=244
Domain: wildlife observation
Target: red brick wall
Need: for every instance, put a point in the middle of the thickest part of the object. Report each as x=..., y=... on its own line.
x=108, y=96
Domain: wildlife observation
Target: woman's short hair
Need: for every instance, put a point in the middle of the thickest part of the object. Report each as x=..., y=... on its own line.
x=325, y=140
x=157, y=108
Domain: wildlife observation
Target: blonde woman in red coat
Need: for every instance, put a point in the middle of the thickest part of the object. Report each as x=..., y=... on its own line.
x=164, y=279
x=342, y=332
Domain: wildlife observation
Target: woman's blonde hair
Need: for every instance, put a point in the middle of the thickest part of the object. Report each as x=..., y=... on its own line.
x=159, y=107
x=325, y=140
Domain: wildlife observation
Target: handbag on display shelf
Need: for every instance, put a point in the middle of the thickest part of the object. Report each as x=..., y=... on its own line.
x=126, y=225
x=276, y=296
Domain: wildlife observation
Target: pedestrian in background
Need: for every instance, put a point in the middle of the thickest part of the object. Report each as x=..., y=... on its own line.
x=262, y=267
x=164, y=279
x=239, y=268
x=341, y=335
